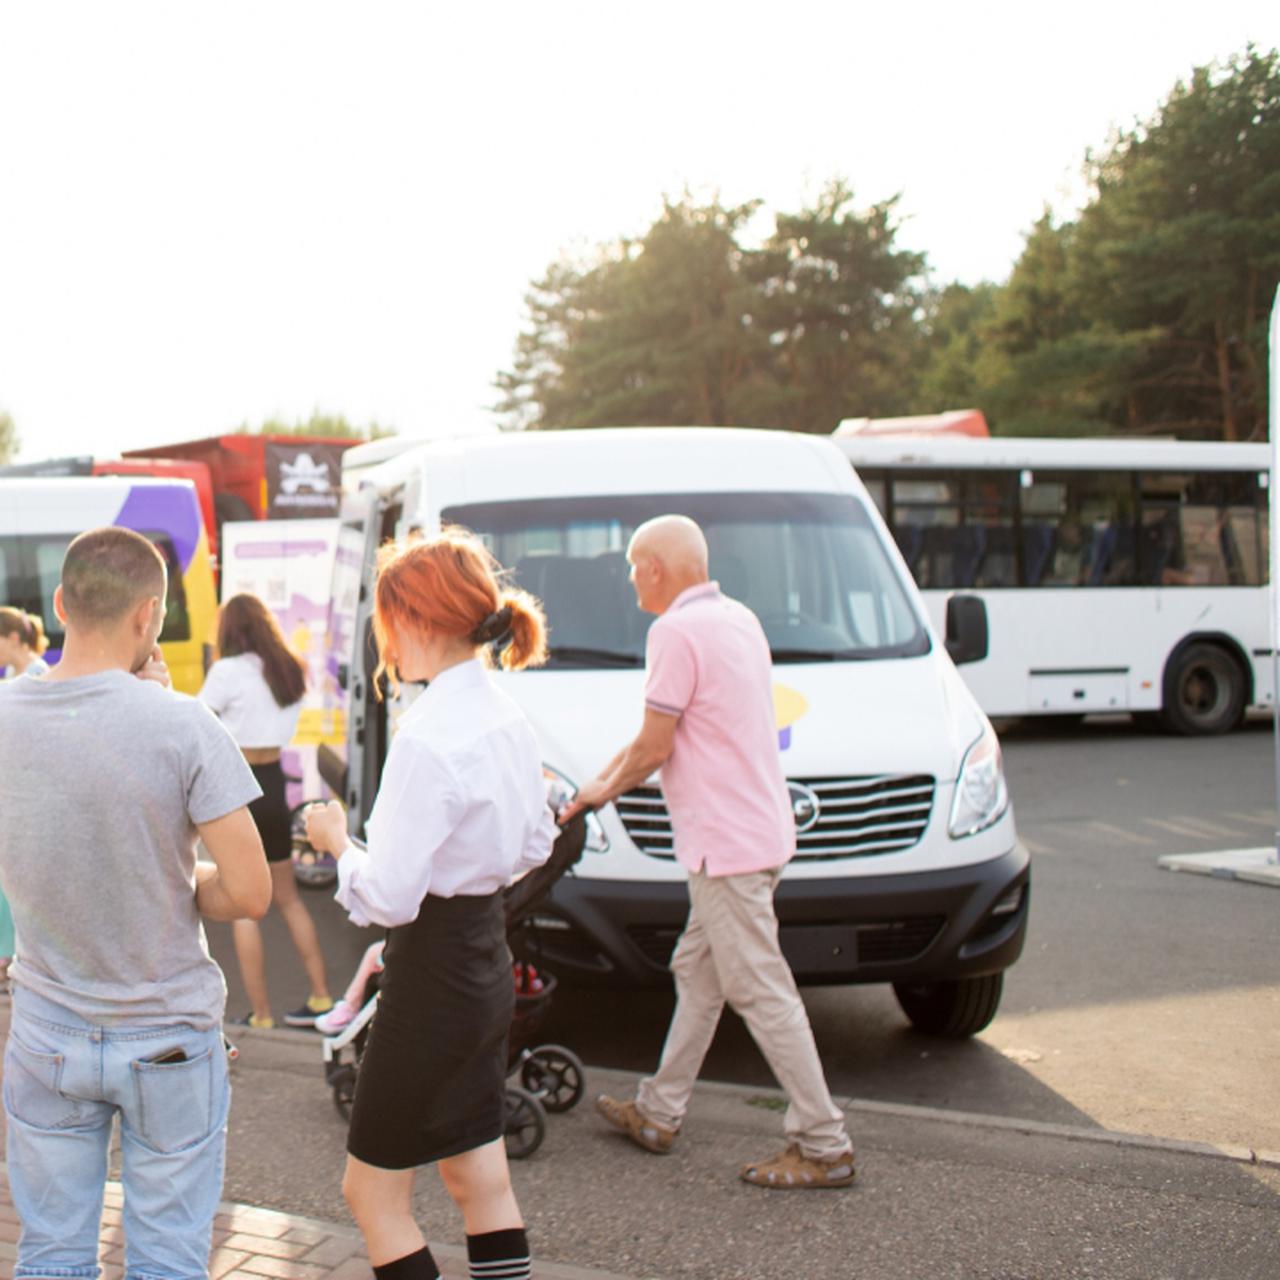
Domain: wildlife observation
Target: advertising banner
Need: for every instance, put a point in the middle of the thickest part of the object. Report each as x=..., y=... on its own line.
x=304, y=480
x=288, y=564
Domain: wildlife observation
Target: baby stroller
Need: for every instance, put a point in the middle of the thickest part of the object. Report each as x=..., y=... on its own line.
x=552, y=1078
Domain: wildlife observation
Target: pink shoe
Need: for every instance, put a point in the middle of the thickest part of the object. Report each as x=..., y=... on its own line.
x=329, y=1024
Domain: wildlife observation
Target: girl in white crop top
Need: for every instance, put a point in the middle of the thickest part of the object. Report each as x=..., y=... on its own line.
x=255, y=688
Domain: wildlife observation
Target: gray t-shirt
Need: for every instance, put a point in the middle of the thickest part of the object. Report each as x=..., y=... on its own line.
x=102, y=780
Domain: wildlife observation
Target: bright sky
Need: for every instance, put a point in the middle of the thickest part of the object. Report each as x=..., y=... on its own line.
x=212, y=214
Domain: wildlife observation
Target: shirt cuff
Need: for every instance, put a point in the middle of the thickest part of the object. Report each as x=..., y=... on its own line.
x=351, y=862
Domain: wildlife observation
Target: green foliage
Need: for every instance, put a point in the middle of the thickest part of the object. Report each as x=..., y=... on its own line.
x=8, y=438
x=960, y=363
x=841, y=307
x=319, y=424
x=1179, y=252
x=688, y=325
x=1148, y=313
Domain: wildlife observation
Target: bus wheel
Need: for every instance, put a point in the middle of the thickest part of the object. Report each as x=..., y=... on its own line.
x=952, y=1009
x=1203, y=691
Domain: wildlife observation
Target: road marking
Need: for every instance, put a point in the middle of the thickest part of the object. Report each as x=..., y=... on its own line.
x=1211, y=828
x=1258, y=818
x=1177, y=828
x=1034, y=846
x=1119, y=833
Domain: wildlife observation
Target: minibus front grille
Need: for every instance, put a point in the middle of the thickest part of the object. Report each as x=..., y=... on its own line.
x=879, y=942
x=857, y=817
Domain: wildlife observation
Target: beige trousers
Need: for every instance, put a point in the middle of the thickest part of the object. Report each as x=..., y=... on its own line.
x=729, y=952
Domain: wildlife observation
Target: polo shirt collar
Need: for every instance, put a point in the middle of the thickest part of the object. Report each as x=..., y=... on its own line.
x=700, y=591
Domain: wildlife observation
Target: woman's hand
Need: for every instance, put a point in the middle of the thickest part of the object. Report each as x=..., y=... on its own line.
x=327, y=827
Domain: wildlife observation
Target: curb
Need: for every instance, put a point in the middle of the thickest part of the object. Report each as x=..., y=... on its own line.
x=1233, y=1152
x=1008, y=1124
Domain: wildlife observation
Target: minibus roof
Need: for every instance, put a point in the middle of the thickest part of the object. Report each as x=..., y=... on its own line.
x=604, y=460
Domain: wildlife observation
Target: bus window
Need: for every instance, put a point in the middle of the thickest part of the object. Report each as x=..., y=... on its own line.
x=1201, y=530
x=926, y=520
x=8, y=568
x=177, y=618
x=49, y=553
x=990, y=498
x=957, y=531
x=1078, y=530
x=876, y=486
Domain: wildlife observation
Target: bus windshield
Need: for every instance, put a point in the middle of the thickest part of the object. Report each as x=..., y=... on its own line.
x=810, y=566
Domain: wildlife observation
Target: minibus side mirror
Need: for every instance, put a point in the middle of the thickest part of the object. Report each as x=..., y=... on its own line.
x=966, y=628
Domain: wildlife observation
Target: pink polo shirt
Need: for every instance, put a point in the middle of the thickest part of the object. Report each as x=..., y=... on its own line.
x=708, y=662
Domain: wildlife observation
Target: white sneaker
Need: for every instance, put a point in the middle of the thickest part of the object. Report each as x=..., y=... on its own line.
x=329, y=1024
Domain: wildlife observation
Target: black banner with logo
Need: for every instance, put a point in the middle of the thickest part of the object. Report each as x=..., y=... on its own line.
x=303, y=480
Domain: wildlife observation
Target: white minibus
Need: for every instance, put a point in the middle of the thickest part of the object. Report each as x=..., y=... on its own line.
x=1118, y=575
x=908, y=868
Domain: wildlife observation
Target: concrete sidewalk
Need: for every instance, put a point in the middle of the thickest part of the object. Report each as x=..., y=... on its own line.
x=251, y=1243
x=940, y=1193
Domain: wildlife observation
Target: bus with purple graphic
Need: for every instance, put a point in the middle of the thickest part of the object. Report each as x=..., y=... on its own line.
x=40, y=516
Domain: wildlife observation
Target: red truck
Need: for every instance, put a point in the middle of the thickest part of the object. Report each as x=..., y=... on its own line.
x=265, y=477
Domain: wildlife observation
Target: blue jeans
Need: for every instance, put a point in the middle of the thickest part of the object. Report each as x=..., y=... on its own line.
x=64, y=1081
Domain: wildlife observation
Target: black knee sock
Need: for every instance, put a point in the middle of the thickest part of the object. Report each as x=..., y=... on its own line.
x=500, y=1255
x=413, y=1266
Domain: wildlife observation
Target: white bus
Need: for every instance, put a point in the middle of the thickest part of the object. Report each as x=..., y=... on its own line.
x=1118, y=575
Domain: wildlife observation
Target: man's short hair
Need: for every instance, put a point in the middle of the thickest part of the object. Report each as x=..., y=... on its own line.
x=106, y=572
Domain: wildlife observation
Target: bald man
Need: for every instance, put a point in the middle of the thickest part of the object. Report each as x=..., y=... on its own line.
x=709, y=726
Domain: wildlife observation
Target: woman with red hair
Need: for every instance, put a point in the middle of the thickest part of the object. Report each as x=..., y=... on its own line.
x=461, y=810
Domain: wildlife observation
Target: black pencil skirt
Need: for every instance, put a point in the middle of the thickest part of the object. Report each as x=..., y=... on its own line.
x=433, y=1075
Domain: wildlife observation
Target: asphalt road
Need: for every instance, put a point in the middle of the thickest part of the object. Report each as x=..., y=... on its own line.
x=1146, y=1001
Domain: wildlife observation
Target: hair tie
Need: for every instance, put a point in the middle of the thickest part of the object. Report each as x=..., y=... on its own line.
x=497, y=626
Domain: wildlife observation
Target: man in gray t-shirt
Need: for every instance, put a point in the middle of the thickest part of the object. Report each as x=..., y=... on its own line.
x=107, y=777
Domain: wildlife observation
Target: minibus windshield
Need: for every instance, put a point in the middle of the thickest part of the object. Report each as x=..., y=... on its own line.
x=811, y=566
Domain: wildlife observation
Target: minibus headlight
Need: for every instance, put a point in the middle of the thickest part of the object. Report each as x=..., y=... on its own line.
x=560, y=791
x=981, y=793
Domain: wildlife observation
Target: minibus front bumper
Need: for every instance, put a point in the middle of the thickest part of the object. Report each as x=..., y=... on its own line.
x=929, y=926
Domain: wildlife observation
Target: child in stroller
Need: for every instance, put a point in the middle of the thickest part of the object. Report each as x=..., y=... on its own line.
x=552, y=1078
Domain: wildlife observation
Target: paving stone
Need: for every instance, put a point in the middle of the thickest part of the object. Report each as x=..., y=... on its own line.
x=223, y=1260
x=283, y=1269
x=259, y=1222
x=333, y=1250
x=266, y=1245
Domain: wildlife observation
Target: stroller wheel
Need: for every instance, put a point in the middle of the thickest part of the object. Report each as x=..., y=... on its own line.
x=343, y=1082
x=526, y=1123
x=555, y=1075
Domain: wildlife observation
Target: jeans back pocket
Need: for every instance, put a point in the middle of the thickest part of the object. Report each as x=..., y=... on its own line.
x=33, y=1088
x=175, y=1102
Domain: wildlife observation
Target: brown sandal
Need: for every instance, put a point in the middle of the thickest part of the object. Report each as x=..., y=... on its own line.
x=795, y=1171
x=626, y=1118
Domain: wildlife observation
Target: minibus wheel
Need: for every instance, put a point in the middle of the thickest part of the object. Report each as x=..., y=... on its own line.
x=955, y=1009
x=1204, y=691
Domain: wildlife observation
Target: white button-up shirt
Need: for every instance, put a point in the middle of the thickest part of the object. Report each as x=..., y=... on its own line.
x=462, y=808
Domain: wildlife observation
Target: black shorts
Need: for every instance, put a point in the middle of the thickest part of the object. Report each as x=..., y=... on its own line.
x=271, y=812
x=432, y=1079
